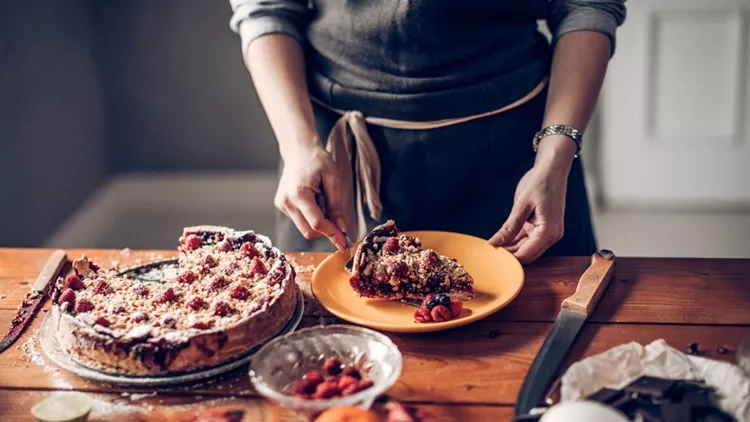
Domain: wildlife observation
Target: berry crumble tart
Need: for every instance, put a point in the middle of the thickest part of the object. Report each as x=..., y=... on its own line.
x=391, y=265
x=230, y=292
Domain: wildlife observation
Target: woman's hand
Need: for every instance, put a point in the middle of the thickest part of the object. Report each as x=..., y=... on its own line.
x=309, y=173
x=536, y=221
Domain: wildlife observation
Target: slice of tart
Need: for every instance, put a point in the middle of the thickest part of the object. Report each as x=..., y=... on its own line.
x=394, y=266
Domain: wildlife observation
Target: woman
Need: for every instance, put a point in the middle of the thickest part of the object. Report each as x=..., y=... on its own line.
x=440, y=115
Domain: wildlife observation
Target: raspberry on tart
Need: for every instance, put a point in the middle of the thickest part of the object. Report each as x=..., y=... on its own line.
x=228, y=292
x=390, y=265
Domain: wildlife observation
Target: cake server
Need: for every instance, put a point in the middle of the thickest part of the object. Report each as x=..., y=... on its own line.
x=574, y=312
x=34, y=299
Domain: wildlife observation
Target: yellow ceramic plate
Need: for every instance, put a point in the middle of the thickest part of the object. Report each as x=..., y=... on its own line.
x=498, y=277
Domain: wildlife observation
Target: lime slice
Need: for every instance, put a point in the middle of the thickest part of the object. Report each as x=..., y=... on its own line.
x=69, y=406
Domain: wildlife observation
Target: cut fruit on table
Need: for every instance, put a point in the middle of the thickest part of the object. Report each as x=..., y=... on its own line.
x=69, y=406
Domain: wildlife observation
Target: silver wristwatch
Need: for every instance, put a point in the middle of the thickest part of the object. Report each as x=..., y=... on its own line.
x=566, y=130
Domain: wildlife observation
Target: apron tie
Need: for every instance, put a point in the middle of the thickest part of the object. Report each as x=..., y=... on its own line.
x=351, y=147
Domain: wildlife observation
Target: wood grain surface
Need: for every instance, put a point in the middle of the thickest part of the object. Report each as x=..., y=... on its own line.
x=470, y=373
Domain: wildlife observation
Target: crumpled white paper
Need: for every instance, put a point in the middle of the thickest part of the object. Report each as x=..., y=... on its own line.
x=621, y=365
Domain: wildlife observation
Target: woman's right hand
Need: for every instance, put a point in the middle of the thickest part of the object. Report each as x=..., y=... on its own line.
x=309, y=172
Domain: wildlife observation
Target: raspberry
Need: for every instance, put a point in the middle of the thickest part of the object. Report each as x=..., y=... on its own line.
x=67, y=296
x=430, y=259
x=356, y=388
x=201, y=325
x=248, y=250
x=239, y=293
x=101, y=288
x=332, y=366
x=456, y=307
x=397, y=269
x=391, y=245
x=313, y=376
x=186, y=277
x=224, y=245
x=84, y=305
x=168, y=296
x=304, y=388
x=74, y=282
x=345, y=381
x=217, y=283
x=222, y=309
x=326, y=390
x=440, y=313
x=192, y=242
x=102, y=321
x=351, y=372
x=139, y=317
x=208, y=261
x=422, y=315
x=197, y=303
x=140, y=290
x=257, y=267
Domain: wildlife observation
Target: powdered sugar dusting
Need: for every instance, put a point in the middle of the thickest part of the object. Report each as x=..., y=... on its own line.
x=31, y=354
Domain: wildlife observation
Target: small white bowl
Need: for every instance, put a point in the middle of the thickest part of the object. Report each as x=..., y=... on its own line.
x=286, y=359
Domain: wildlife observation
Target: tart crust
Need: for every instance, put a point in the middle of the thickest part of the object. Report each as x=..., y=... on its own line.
x=151, y=348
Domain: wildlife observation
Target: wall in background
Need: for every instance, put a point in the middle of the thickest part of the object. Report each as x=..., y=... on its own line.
x=51, y=122
x=178, y=93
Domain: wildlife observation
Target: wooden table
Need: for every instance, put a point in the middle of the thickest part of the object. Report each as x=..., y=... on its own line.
x=468, y=374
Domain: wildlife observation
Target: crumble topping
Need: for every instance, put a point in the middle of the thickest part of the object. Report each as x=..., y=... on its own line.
x=222, y=276
x=395, y=265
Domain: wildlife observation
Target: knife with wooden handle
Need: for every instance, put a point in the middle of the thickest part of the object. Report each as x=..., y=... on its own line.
x=34, y=299
x=574, y=311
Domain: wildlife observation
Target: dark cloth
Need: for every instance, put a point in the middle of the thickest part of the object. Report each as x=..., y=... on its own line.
x=460, y=178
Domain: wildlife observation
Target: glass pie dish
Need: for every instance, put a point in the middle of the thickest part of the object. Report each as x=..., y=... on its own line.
x=280, y=363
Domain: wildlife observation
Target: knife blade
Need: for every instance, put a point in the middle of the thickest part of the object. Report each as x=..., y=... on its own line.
x=33, y=299
x=573, y=313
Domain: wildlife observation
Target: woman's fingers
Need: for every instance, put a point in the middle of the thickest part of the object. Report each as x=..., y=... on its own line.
x=317, y=221
x=519, y=215
x=539, y=240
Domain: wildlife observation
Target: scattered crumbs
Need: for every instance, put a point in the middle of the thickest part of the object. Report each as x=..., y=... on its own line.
x=468, y=387
x=31, y=354
x=114, y=264
x=138, y=261
x=139, y=396
x=125, y=252
x=722, y=350
x=24, y=282
x=125, y=394
x=493, y=334
x=2, y=296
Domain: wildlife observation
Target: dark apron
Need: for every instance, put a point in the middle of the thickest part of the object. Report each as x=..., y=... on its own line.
x=460, y=178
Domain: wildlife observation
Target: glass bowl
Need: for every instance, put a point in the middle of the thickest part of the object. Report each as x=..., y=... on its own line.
x=287, y=359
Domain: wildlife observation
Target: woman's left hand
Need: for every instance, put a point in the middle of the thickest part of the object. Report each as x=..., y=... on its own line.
x=536, y=221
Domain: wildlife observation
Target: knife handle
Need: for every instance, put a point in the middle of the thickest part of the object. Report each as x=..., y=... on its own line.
x=592, y=284
x=51, y=269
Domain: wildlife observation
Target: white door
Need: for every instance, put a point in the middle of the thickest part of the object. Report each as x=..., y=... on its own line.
x=674, y=116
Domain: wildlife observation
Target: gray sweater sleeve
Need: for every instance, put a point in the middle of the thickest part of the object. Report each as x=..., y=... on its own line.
x=592, y=15
x=252, y=19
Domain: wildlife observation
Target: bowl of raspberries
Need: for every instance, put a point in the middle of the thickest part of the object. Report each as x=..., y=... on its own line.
x=317, y=368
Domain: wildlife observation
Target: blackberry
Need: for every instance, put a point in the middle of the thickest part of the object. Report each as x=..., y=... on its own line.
x=444, y=300
x=349, y=265
x=439, y=300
